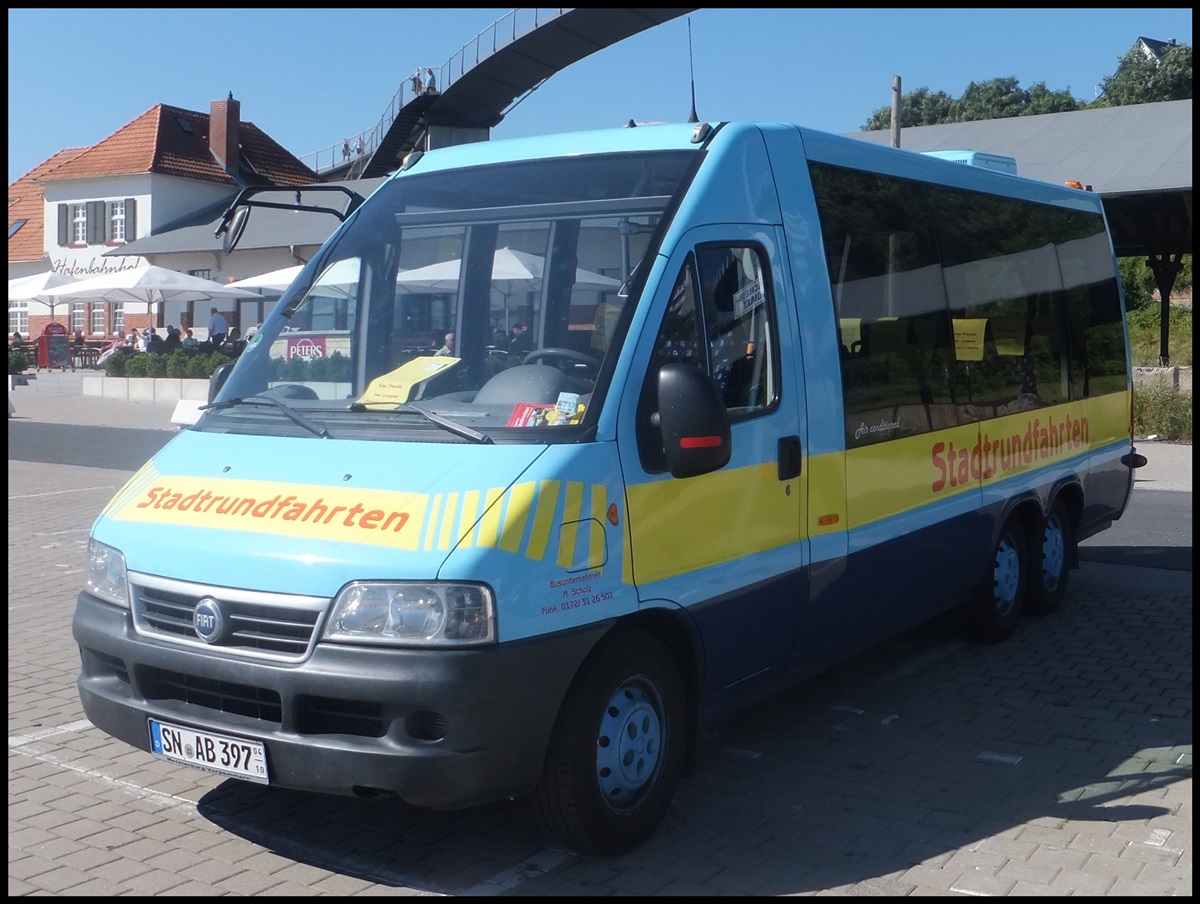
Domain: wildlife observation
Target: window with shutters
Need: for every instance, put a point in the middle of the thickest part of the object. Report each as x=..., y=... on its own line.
x=97, y=222
x=116, y=221
x=78, y=224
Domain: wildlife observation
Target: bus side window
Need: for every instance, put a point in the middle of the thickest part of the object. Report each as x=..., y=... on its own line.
x=739, y=327
x=678, y=342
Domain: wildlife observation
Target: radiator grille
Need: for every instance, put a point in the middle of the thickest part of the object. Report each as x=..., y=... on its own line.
x=257, y=624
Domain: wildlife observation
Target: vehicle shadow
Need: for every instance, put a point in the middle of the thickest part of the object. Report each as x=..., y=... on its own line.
x=927, y=756
x=1174, y=558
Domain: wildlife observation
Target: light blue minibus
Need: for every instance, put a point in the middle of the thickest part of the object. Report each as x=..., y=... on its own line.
x=727, y=404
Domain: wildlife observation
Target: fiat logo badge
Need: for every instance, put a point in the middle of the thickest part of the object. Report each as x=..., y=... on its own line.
x=207, y=620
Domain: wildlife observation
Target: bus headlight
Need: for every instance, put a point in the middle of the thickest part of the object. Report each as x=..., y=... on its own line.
x=411, y=614
x=106, y=576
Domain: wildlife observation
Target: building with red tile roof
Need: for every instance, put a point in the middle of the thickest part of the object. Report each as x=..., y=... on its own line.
x=66, y=213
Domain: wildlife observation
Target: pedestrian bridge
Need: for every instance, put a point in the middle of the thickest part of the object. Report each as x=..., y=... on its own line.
x=1138, y=156
x=481, y=81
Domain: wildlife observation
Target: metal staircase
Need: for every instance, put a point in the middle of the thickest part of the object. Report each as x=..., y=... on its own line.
x=404, y=134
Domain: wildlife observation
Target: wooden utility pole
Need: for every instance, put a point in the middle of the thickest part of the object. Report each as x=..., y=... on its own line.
x=895, y=111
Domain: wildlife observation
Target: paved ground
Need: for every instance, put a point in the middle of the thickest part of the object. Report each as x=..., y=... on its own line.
x=1056, y=763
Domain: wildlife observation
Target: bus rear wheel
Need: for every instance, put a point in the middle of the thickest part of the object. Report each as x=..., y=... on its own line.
x=1057, y=552
x=997, y=607
x=616, y=755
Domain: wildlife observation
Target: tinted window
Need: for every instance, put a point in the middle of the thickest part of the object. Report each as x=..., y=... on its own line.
x=956, y=306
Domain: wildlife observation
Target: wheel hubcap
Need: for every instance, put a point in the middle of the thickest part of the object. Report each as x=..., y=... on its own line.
x=1007, y=575
x=1053, y=554
x=629, y=747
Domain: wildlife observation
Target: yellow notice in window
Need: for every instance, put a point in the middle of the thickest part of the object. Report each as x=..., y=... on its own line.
x=968, y=338
x=851, y=330
x=395, y=387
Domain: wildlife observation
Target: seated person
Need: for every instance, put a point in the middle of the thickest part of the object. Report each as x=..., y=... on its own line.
x=518, y=345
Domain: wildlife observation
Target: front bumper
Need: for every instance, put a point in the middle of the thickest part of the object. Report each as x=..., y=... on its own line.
x=439, y=728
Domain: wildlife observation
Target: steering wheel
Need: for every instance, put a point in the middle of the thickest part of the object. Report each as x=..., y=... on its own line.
x=566, y=355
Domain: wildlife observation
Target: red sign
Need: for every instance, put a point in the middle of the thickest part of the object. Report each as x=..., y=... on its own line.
x=308, y=347
x=52, y=348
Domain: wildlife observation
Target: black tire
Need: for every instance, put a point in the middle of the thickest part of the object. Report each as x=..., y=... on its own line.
x=616, y=755
x=997, y=608
x=1057, y=552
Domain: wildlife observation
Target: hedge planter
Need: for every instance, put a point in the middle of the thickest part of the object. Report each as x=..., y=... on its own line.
x=168, y=389
x=147, y=389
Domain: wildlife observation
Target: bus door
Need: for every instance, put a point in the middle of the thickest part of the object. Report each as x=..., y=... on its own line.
x=727, y=545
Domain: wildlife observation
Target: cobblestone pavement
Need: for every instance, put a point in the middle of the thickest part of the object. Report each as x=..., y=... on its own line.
x=1059, y=762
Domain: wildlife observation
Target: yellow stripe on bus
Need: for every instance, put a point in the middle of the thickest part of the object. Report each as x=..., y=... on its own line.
x=543, y=520
x=826, y=486
x=671, y=520
x=343, y=514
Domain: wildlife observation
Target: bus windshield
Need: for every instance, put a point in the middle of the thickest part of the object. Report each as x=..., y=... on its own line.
x=493, y=296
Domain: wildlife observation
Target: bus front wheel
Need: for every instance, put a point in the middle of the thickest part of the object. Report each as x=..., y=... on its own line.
x=616, y=755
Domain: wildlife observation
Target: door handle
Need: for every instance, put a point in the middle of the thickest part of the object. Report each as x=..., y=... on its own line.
x=789, y=457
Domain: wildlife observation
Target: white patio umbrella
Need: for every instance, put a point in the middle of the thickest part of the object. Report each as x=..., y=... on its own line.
x=33, y=289
x=149, y=286
x=341, y=274
x=276, y=279
x=512, y=271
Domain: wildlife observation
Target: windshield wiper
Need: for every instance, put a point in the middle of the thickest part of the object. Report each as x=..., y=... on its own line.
x=453, y=426
x=307, y=423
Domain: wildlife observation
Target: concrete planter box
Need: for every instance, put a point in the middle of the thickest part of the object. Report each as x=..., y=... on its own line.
x=148, y=389
x=168, y=388
x=114, y=387
x=194, y=390
x=171, y=389
x=140, y=388
x=322, y=389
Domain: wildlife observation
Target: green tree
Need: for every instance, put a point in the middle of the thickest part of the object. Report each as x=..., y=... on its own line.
x=999, y=98
x=917, y=108
x=1137, y=281
x=1042, y=100
x=1140, y=79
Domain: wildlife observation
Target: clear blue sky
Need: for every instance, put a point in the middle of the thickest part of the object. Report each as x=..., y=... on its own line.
x=310, y=77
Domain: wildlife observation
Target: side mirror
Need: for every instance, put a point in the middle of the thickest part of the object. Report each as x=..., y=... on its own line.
x=217, y=380
x=231, y=230
x=692, y=419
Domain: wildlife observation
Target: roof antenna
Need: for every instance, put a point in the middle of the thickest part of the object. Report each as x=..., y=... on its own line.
x=692, y=73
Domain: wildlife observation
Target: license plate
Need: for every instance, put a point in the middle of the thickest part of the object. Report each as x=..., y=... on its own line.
x=224, y=755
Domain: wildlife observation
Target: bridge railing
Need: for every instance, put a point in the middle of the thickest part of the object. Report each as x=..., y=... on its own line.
x=512, y=25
